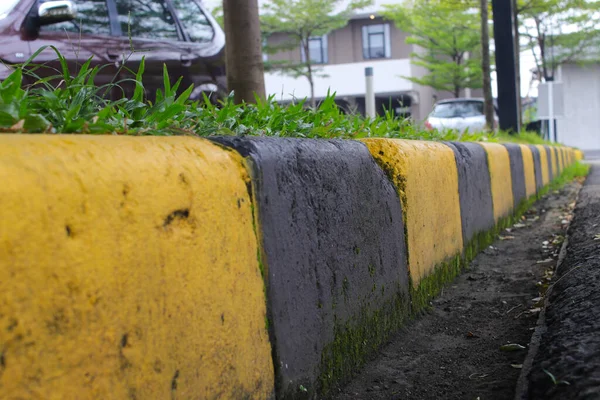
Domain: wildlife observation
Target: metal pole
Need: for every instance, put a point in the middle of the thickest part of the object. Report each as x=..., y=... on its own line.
x=551, y=111
x=467, y=90
x=505, y=65
x=369, y=94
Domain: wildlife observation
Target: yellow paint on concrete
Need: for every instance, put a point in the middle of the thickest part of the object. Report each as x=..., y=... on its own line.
x=562, y=158
x=501, y=181
x=571, y=155
x=553, y=161
x=543, y=163
x=578, y=155
x=426, y=177
x=528, y=169
x=128, y=270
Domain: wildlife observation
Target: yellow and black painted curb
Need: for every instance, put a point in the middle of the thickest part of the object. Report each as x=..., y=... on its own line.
x=152, y=268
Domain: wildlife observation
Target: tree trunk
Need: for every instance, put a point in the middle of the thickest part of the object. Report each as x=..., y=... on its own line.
x=313, y=101
x=488, y=101
x=518, y=61
x=309, y=74
x=243, y=51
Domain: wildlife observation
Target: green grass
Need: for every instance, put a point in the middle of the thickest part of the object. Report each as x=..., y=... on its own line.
x=66, y=103
x=521, y=138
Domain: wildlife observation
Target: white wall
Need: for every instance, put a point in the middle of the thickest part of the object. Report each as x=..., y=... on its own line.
x=344, y=79
x=581, y=125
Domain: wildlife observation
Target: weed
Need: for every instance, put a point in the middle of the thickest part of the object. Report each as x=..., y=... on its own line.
x=70, y=102
x=555, y=381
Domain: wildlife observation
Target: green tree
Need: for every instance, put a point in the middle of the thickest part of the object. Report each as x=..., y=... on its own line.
x=559, y=31
x=217, y=14
x=446, y=32
x=301, y=20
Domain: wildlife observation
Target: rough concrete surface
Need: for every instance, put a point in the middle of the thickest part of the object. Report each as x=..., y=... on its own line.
x=425, y=175
x=550, y=161
x=475, y=193
x=117, y=279
x=334, y=248
x=454, y=351
x=544, y=163
x=569, y=349
x=517, y=173
x=501, y=180
x=539, y=182
x=529, y=170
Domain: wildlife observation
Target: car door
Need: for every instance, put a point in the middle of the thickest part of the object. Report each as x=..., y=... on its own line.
x=88, y=36
x=148, y=29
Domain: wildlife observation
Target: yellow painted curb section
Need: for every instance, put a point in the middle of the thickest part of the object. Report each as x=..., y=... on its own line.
x=529, y=170
x=553, y=159
x=544, y=163
x=427, y=179
x=128, y=270
x=501, y=181
x=561, y=158
x=570, y=156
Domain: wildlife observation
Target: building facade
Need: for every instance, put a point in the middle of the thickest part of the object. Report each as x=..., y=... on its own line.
x=581, y=98
x=368, y=40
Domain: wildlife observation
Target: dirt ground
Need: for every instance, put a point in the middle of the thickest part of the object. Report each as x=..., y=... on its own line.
x=566, y=365
x=454, y=350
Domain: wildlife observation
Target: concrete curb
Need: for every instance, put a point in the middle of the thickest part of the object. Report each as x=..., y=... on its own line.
x=122, y=276
x=241, y=267
x=333, y=245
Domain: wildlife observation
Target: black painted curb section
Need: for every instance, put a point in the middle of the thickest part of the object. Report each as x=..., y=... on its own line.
x=549, y=157
x=537, y=167
x=517, y=173
x=568, y=339
x=334, y=251
x=474, y=189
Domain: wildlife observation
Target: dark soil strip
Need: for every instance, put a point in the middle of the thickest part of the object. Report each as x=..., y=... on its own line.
x=567, y=362
x=454, y=351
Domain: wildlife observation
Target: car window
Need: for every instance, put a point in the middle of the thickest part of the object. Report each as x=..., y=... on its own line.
x=458, y=109
x=92, y=18
x=193, y=19
x=146, y=19
x=6, y=6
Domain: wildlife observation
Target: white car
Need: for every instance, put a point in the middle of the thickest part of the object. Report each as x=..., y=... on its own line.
x=459, y=114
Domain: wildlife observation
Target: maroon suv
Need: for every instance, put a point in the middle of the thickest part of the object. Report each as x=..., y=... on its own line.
x=117, y=34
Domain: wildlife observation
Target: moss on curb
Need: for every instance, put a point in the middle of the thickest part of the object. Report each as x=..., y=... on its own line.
x=357, y=340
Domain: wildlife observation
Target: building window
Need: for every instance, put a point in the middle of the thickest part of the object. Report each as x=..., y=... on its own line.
x=317, y=50
x=376, y=41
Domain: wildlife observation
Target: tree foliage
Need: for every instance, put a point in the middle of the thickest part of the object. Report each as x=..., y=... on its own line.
x=560, y=31
x=447, y=36
x=300, y=20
